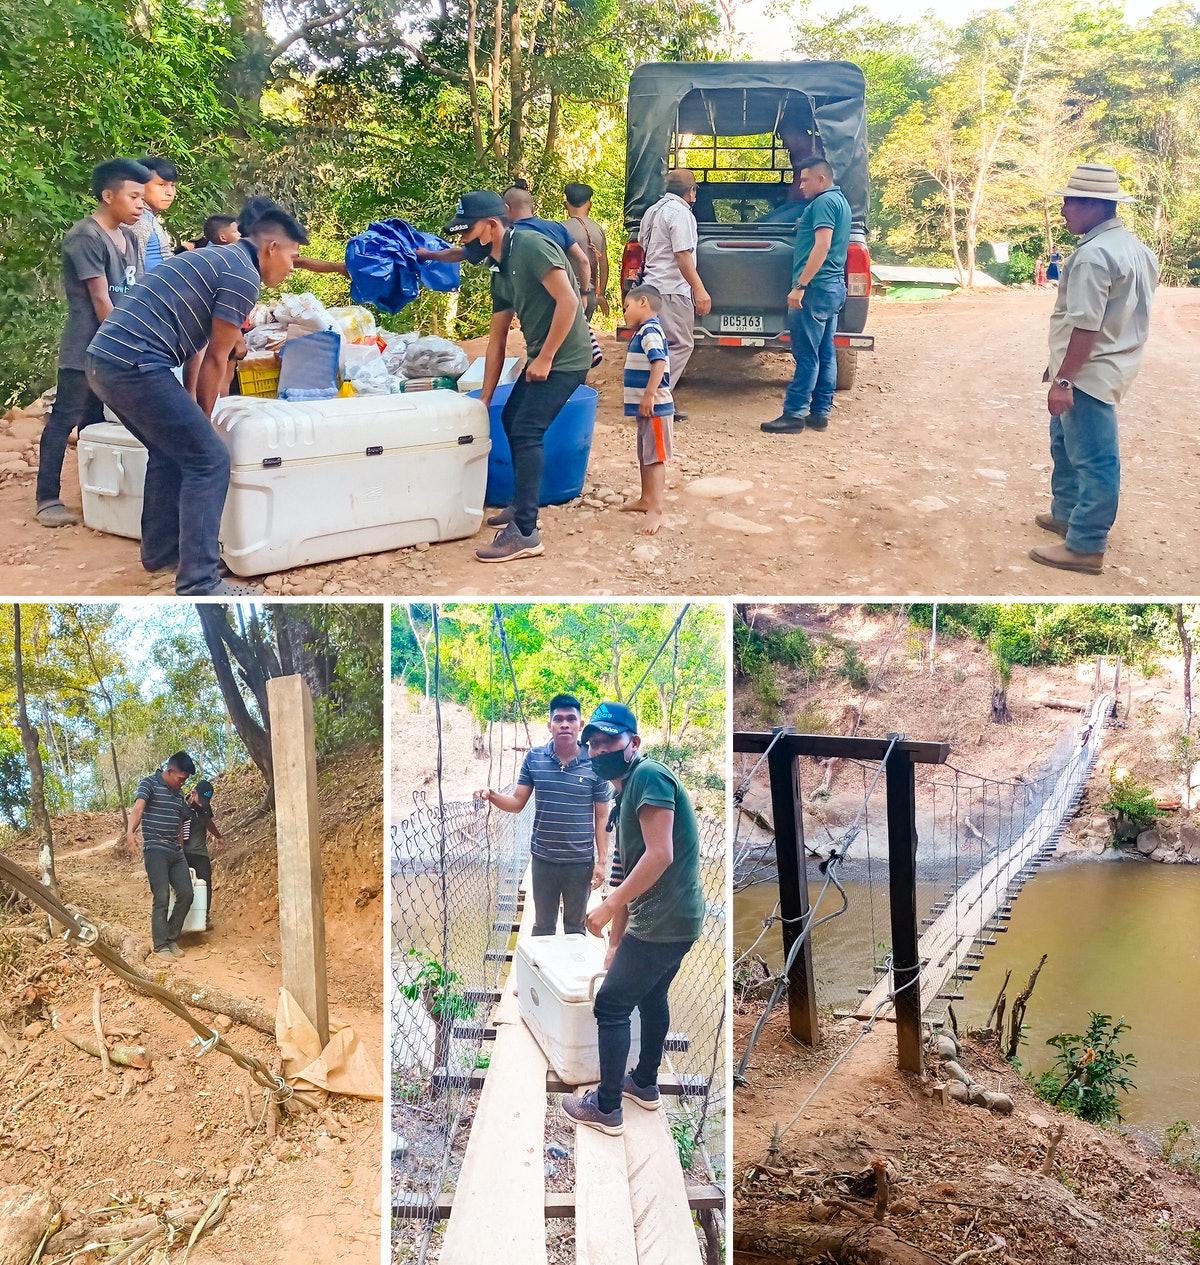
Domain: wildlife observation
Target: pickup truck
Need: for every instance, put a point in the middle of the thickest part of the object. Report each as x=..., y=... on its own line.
x=742, y=127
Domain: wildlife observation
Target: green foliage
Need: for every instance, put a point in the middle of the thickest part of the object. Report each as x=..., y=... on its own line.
x=436, y=987
x=1021, y=267
x=1089, y=1071
x=853, y=669
x=1132, y=797
x=685, y=1142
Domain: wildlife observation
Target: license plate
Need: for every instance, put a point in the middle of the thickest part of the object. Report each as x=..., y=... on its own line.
x=741, y=324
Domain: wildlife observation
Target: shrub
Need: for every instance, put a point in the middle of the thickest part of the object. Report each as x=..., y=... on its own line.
x=1132, y=797
x=1088, y=1071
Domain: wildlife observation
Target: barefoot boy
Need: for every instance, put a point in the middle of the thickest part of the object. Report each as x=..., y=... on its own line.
x=648, y=398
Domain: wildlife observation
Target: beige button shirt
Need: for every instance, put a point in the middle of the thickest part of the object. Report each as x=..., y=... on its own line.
x=1107, y=286
x=667, y=226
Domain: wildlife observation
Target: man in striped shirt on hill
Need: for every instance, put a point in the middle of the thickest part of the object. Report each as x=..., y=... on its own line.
x=570, y=822
x=159, y=810
x=648, y=398
x=193, y=302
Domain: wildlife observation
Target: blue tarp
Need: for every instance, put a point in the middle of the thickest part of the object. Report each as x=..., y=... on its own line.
x=384, y=269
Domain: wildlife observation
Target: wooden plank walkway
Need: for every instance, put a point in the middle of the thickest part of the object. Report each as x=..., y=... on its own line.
x=631, y=1204
x=946, y=943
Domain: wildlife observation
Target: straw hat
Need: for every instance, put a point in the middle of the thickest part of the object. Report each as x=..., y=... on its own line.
x=1093, y=180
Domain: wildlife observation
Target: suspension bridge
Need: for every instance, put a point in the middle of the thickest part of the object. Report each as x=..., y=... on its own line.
x=981, y=839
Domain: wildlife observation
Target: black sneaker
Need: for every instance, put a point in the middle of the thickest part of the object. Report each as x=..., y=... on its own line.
x=647, y=1097
x=817, y=421
x=784, y=424
x=510, y=545
x=583, y=1109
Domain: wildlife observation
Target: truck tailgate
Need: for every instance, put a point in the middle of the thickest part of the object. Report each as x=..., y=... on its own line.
x=747, y=269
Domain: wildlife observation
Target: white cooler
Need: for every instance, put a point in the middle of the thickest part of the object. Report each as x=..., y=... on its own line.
x=557, y=978
x=197, y=915
x=112, y=470
x=330, y=479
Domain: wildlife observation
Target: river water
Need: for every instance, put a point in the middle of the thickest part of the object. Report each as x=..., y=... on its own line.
x=1123, y=939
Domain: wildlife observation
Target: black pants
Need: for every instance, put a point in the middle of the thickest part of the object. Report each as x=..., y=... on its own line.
x=570, y=881
x=201, y=862
x=528, y=412
x=187, y=473
x=76, y=405
x=166, y=870
x=640, y=975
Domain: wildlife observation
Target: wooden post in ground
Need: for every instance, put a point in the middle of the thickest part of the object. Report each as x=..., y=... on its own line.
x=902, y=890
x=786, y=811
x=298, y=843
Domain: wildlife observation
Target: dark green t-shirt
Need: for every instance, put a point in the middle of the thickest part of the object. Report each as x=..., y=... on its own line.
x=517, y=286
x=673, y=909
x=827, y=210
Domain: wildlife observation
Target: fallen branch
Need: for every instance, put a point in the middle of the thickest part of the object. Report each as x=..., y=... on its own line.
x=98, y=1024
x=1018, y=1011
x=125, y=1055
x=879, y=1167
x=864, y=1244
x=1048, y=1162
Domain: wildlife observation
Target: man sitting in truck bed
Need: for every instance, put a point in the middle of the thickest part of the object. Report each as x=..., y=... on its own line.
x=801, y=144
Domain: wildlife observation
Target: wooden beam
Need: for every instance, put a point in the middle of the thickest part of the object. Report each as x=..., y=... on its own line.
x=662, y=1220
x=298, y=844
x=559, y=1203
x=825, y=745
x=902, y=891
x=672, y=1084
x=603, y=1213
x=499, y=1214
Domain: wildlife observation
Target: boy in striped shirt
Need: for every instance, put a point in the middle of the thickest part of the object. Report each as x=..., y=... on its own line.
x=648, y=398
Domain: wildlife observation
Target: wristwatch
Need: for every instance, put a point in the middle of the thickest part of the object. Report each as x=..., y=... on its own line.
x=1064, y=382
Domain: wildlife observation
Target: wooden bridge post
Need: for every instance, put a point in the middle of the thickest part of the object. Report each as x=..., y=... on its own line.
x=902, y=891
x=298, y=844
x=787, y=813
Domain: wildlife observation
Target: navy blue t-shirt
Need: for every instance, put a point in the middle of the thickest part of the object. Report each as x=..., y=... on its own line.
x=558, y=233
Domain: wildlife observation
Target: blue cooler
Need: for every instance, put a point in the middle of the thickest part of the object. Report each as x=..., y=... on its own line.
x=568, y=443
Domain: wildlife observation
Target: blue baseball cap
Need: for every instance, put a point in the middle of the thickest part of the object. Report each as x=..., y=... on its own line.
x=610, y=718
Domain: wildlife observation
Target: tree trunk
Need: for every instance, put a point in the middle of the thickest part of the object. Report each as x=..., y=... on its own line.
x=112, y=727
x=221, y=639
x=497, y=76
x=516, y=91
x=865, y=1244
x=473, y=76
x=1000, y=713
x=33, y=758
x=1185, y=642
x=552, y=126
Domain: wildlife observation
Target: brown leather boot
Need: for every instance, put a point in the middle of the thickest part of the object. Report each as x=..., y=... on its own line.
x=1050, y=523
x=1067, y=559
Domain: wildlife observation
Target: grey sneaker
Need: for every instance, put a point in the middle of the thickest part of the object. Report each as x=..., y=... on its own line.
x=56, y=514
x=175, y=951
x=583, y=1109
x=165, y=954
x=501, y=518
x=510, y=545
x=649, y=1098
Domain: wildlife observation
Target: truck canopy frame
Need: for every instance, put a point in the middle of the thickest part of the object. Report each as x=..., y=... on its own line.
x=743, y=99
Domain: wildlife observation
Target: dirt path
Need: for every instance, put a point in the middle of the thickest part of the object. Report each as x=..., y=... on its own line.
x=312, y=1195
x=926, y=482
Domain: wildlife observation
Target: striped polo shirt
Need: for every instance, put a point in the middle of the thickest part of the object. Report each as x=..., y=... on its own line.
x=167, y=317
x=564, y=819
x=163, y=812
x=648, y=344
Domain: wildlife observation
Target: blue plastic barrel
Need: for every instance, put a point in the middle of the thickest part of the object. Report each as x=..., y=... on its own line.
x=568, y=445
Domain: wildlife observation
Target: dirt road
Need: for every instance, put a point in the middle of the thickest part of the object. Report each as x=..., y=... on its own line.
x=925, y=483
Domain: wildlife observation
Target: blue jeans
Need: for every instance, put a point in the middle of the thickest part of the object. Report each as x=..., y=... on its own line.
x=187, y=474
x=1086, y=479
x=167, y=869
x=640, y=975
x=75, y=406
x=812, y=327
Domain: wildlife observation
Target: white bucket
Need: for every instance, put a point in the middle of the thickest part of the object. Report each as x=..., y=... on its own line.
x=197, y=916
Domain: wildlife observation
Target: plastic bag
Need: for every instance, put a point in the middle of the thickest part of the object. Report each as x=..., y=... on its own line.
x=355, y=322
x=371, y=378
x=310, y=364
x=433, y=357
x=269, y=337
x=384, y=268
x=305, y=310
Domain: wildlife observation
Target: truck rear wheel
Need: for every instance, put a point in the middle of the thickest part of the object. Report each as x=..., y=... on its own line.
x=847, y=367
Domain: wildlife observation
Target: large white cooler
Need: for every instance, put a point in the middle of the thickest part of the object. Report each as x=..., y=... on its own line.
x=557, y=978
x=112, y=472
x=333, y=478
x=197, y=915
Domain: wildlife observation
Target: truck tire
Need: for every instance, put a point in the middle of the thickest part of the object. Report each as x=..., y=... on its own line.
x=847, y=367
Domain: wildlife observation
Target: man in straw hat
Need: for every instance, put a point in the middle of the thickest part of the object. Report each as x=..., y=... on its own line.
x=1099, y=325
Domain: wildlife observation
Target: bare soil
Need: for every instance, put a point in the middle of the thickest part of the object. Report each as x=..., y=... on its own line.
x=926, y=481
x=311, y=1195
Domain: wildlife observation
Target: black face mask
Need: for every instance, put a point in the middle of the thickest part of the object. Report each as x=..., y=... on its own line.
x=612, y=765
x=476, y=252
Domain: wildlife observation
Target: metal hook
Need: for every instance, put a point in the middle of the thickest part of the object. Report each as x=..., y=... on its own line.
x=204, y=1044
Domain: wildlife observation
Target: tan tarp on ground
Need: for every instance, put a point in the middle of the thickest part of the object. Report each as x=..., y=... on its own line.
x=342, y=1067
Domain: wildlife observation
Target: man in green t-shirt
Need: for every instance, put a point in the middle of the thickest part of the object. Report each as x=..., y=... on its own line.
x=531, y=280
x=656, y=913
